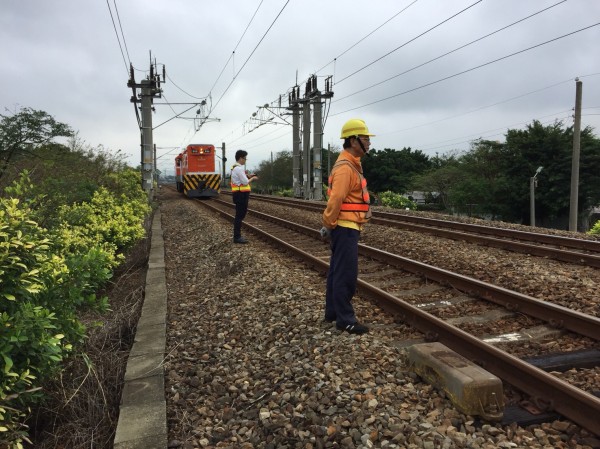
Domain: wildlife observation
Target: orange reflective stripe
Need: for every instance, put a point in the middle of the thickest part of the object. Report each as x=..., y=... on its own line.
x=354, y=207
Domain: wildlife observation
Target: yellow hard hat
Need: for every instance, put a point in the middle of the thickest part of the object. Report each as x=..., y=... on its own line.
x=355, y=127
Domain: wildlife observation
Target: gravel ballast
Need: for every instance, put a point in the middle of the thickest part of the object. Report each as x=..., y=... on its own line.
x=250, y=364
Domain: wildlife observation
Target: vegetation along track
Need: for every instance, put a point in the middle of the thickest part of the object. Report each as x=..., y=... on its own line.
x=566, y=249
x=383, y=277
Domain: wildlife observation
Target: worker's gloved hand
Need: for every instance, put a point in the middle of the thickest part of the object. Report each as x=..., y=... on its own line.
x=325, y=234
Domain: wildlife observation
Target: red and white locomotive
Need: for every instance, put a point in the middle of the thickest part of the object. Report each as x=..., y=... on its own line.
x=196, y=171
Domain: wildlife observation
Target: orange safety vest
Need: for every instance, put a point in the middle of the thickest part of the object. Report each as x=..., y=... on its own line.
x=238, y=187
x=353, y=207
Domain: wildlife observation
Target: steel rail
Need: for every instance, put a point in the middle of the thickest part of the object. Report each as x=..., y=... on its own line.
x=579, y=406
x=555, y=315
x=509, y=245
x=555, y=240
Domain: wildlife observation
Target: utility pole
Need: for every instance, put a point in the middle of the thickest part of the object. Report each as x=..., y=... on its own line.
x=306, y=172
x=294, y=105
x=532, y=186
x=155, y=165
x=318, y=136
x=575, y=161
x=150, y=89
x=307, y=168
x=224, y=160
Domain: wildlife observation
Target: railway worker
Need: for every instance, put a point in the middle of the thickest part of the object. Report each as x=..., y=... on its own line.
x=240, y=188
x=344, y=217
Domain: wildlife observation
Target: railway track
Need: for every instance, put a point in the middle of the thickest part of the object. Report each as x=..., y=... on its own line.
x=403, y=288
x=565, y=249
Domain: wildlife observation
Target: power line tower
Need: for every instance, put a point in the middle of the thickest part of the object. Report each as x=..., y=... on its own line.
x=150, y=89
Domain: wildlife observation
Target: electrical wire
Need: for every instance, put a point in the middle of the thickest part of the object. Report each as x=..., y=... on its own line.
x=409, y=41
x=366, y=36
x=188, y=94
x=262, y=143
x=247, y=59
x=480, y=108
x=117, y=34
x=450, y=52
x=235, y=48
x=468, y=70
x=489, y=135
x=122, y=34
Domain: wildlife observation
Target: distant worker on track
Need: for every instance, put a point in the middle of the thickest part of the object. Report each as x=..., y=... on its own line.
x=240, y=188
x=344, y=217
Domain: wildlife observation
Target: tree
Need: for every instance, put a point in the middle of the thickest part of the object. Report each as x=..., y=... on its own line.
x=391, y=170
x=551, y=147
x=277, y=173
x=495, y=176
x=439, y=181
x=26, y=130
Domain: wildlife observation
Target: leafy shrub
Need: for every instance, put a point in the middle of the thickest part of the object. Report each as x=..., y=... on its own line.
x=285, y=193
x=595, y=229
x=396, y=201
x=31, y=334
x=47, y=276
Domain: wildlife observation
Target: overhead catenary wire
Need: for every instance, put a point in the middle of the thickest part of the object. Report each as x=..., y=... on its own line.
x=250, y=56
x=367, y=35
x=480, y=108
x=121, y=28
x=232, y=81
x=245, y=62
x=409, y=41
x=449, y=52
x=425, y=147
x=118, y=39
x=235, y=48
x=188, y=94
x=467, y=70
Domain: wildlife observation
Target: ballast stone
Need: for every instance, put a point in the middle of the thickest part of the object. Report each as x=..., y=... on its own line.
x=473, y=390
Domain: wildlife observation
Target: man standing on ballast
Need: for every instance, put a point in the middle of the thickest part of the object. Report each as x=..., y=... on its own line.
x=240, y=189
x=346, y=213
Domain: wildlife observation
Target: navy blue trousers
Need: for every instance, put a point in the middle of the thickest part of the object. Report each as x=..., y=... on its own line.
x=240, y=199
x=342, y=274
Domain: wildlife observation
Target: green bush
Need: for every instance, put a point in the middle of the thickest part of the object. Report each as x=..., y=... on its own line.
x=47, y=276
x=31, y=334
x=595, y=229
x=109, y=223
x=396, y=201
x=285, y=193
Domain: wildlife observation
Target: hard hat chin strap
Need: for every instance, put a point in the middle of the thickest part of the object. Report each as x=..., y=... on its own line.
x=362, y=146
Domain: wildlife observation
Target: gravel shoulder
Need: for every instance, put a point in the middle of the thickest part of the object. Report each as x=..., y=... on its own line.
x=251, y=365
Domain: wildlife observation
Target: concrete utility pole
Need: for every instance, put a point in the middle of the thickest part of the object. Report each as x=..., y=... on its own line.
x=532, y=186
x=307, y=168
x=306, y=147
x=150, y=89
x=155, y=164
x=294, y=106
x=318, y=137
x=147, y=137
x=575, y=161
x=317, y=146
x=224, y=160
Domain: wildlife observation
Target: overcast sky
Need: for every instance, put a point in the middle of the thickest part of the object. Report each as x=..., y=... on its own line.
x=63, y=57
